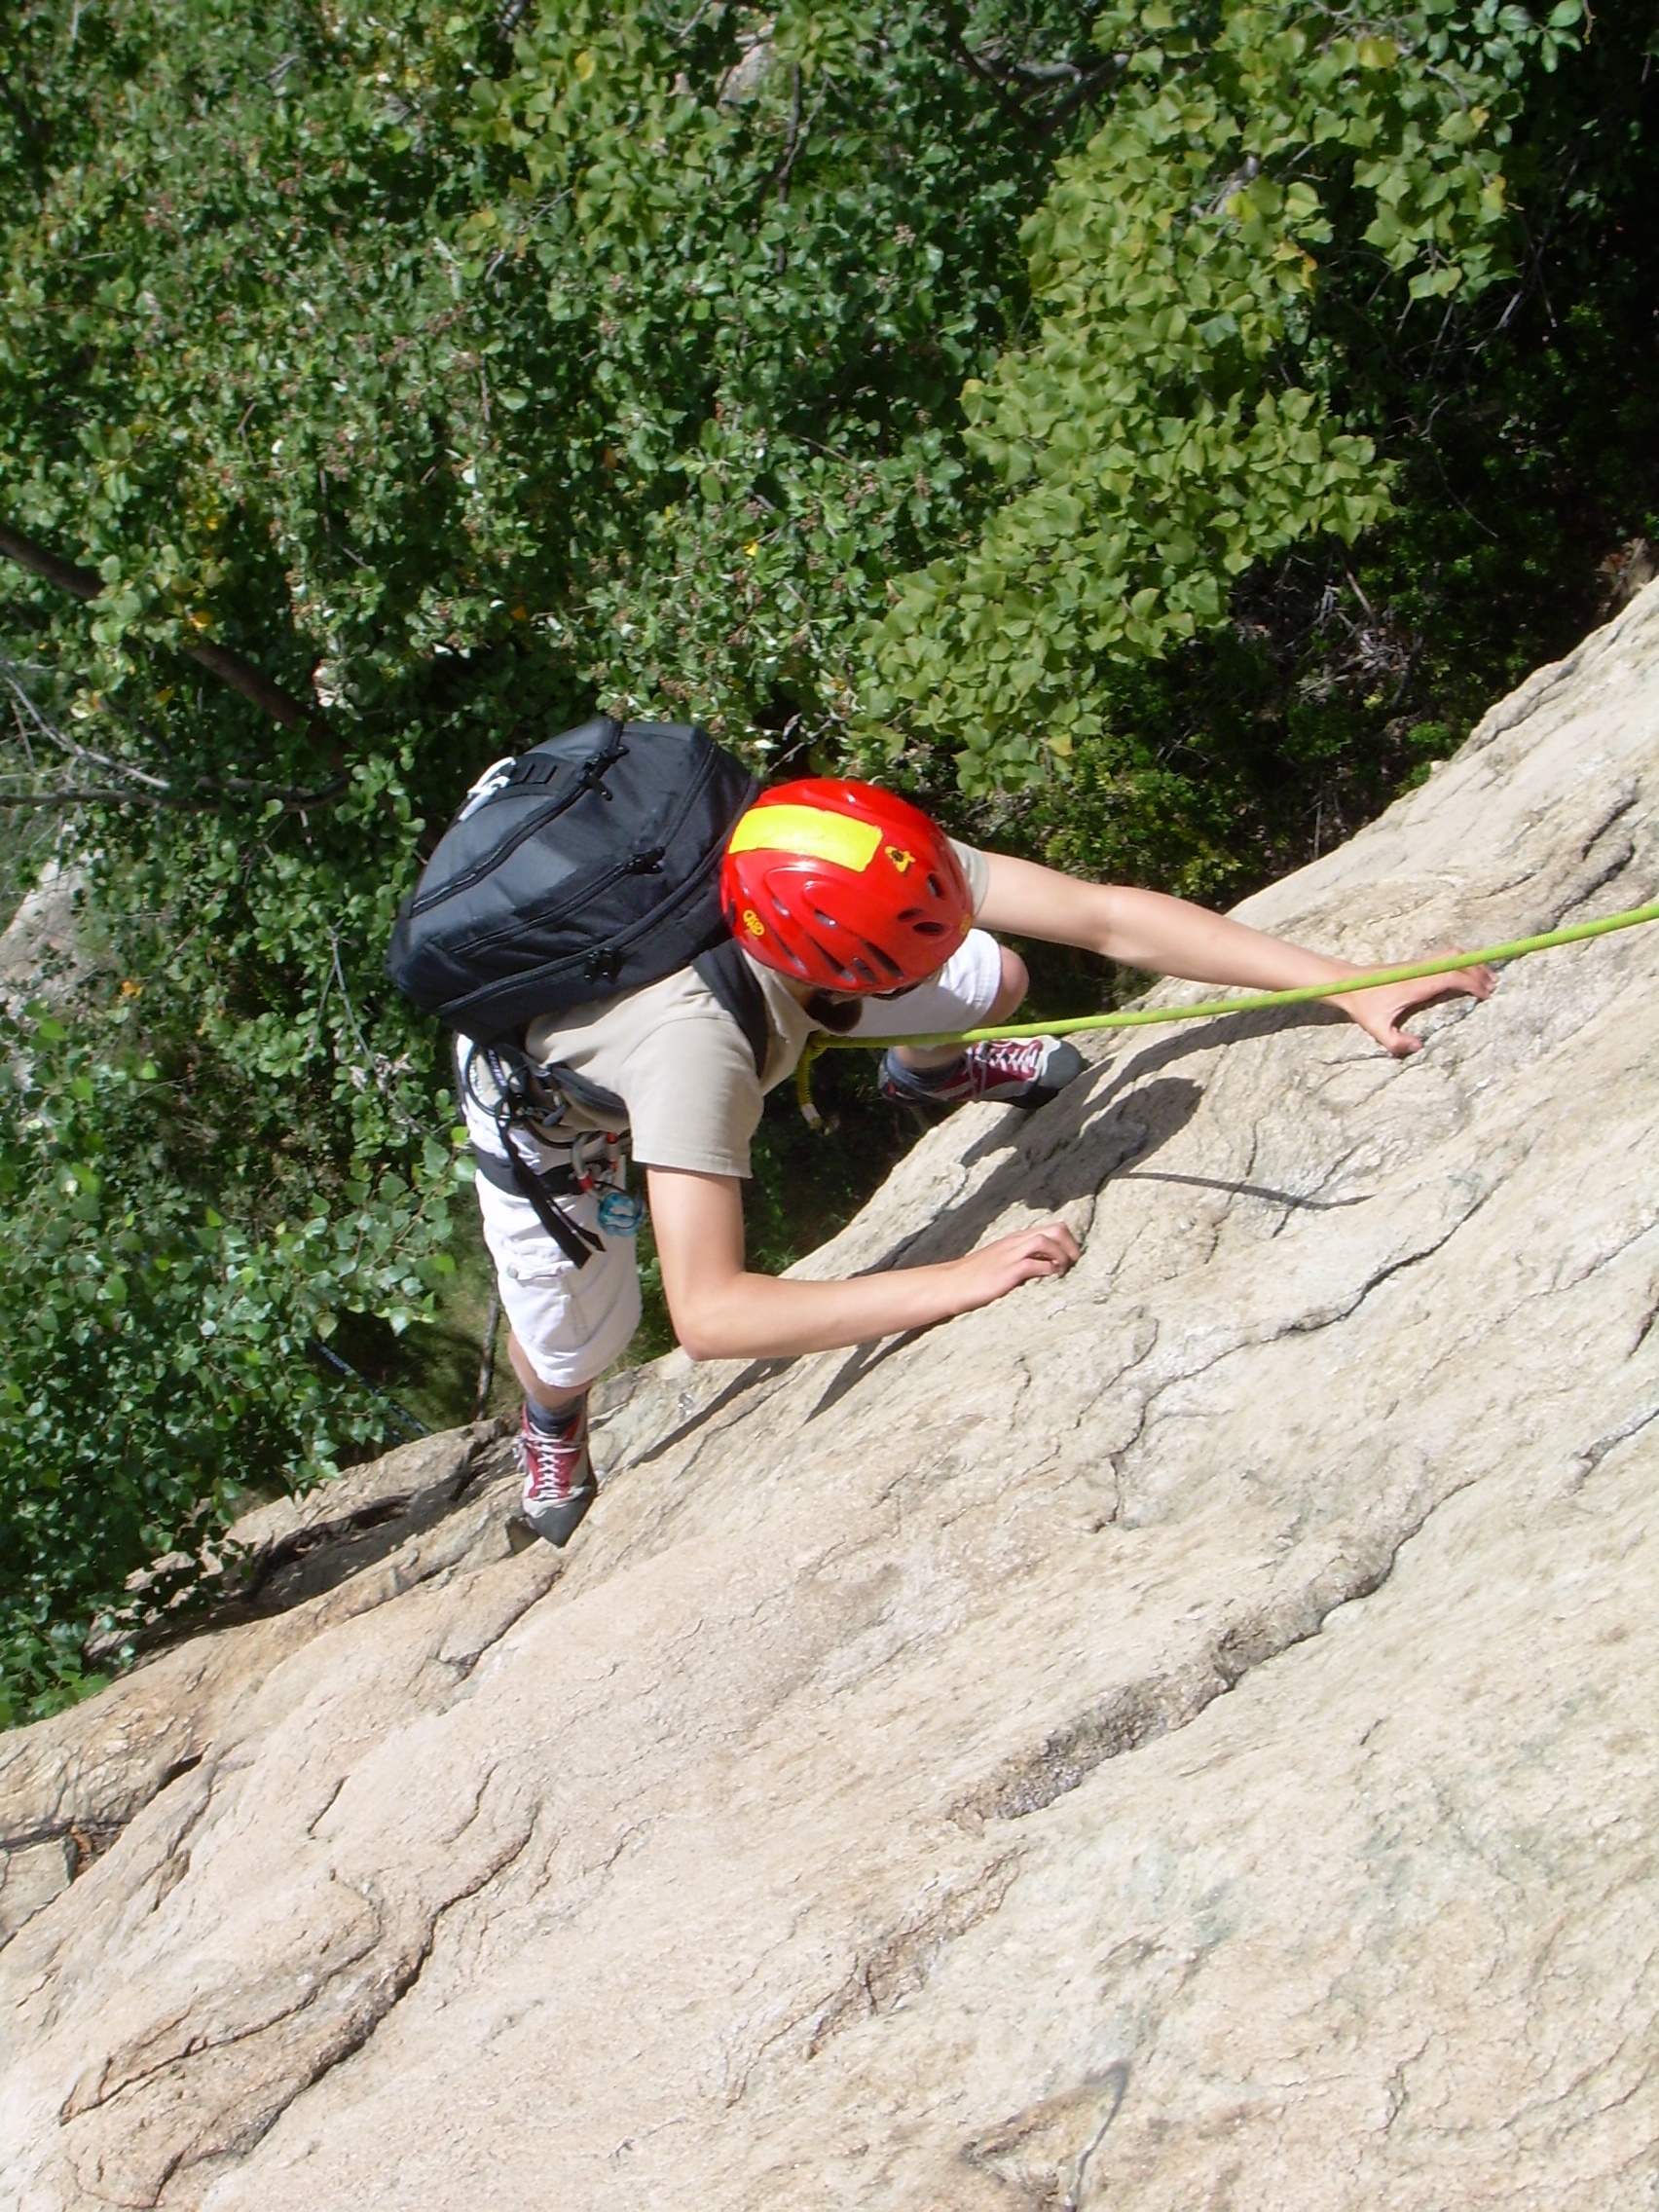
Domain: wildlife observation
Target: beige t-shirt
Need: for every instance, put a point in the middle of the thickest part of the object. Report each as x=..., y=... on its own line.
x=682, y=1066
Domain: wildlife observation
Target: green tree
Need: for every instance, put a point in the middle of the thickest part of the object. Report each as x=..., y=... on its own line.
x=1181, y=418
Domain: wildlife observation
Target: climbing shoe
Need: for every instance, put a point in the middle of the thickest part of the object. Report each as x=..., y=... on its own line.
x=558, y=1474
x=1010, y=1071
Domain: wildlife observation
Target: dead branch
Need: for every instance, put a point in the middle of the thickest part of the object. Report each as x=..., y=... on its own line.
x=203, y=799
x=242, y=676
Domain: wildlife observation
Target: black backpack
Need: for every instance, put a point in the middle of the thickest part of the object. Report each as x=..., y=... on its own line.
x=587, y=866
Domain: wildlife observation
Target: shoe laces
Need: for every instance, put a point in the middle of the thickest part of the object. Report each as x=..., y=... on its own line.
x=552, y=1464
x=1004, y=1059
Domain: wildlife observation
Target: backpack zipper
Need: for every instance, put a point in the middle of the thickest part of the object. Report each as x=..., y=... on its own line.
x=597, y=884
x=589, y=777
x=553, y=970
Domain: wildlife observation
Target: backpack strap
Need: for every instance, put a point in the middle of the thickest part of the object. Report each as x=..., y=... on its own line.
x=727, y=973
x=591, y=1097
x=559, y=1181
x=578, y=1245
x=513, y=1073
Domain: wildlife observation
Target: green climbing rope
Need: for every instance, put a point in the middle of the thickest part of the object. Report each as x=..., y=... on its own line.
x=1210, y=1010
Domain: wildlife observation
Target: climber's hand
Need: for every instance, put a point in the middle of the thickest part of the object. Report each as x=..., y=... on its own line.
x=995, y=1269
x=1379, y=1012
x=723, y=1311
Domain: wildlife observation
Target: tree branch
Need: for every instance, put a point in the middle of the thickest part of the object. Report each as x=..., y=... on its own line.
x=240, y=674
x=792, y=148
x=124, y=795
x=82, y=583
x=965, y=54
x=1041, y=77
x=23, y=704
x=206, y=792
x=1080, y=95
x=203, y=799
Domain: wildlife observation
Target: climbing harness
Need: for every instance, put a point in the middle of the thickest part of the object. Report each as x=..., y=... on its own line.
x=1211, y=1010
x=519, y=1097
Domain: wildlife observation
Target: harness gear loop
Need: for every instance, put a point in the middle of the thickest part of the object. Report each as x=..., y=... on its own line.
x=515, y=1107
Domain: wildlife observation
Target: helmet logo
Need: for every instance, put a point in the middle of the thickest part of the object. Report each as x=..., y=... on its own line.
x=752, y=923
x=900, y=859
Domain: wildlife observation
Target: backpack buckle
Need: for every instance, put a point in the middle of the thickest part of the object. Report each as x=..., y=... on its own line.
x=496, y=778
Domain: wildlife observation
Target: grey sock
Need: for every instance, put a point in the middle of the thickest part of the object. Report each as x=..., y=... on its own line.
x=924, y=1078
x=559, y=1422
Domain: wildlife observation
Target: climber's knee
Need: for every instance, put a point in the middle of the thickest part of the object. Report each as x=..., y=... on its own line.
x=1010, y=992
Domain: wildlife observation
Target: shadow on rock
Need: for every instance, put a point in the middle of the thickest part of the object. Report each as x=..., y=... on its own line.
x=1066, y=1151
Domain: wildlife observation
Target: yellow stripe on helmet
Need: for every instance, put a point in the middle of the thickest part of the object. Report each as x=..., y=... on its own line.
x=813, y=832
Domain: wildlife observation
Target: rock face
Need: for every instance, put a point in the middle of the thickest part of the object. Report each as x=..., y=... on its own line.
x=1183, y=1737
x=41, y=953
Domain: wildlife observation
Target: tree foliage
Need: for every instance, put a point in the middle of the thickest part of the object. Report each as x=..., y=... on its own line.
x=1144, y=432
x=157, y=1349
x=1180, y=418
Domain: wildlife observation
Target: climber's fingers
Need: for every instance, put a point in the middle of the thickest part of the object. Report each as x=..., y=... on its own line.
x=1379, y=1012
x=1028, y=1255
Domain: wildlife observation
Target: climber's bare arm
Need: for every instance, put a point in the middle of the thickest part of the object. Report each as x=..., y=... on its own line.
x=1170, y=937
x=721, y=1311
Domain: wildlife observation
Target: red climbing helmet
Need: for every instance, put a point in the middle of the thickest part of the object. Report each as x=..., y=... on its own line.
x=844, y=886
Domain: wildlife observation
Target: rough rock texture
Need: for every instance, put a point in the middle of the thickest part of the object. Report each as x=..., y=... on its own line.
x=41, y=952
x=1183, y=1737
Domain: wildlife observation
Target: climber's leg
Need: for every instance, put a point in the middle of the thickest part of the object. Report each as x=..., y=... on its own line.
x=982, y=984
x=566, y=1325
x=1009, y=1071
x=541, y=1396
x=559, y=1483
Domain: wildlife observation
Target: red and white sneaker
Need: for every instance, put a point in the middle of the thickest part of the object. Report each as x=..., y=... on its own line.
x=559, y=1484
x=1012, y=1071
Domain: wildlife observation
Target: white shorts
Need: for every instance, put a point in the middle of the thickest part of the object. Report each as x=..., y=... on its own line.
x=959, y=997
x=573, y=1322
x=570, y=1322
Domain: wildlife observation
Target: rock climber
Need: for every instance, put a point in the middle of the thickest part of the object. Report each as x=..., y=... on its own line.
x=858, y=916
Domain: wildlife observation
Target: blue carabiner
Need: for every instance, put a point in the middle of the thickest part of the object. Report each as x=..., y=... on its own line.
x=620, y=1214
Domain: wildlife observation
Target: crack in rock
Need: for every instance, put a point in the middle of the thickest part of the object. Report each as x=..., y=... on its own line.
x=461, y=1658
x=1043, y=2151
x=903, y=1958
x=1138, y=1713
x=182, y=2112
x=84, y=1837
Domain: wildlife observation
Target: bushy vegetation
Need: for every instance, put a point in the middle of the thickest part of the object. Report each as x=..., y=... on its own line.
x=1150, y=434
